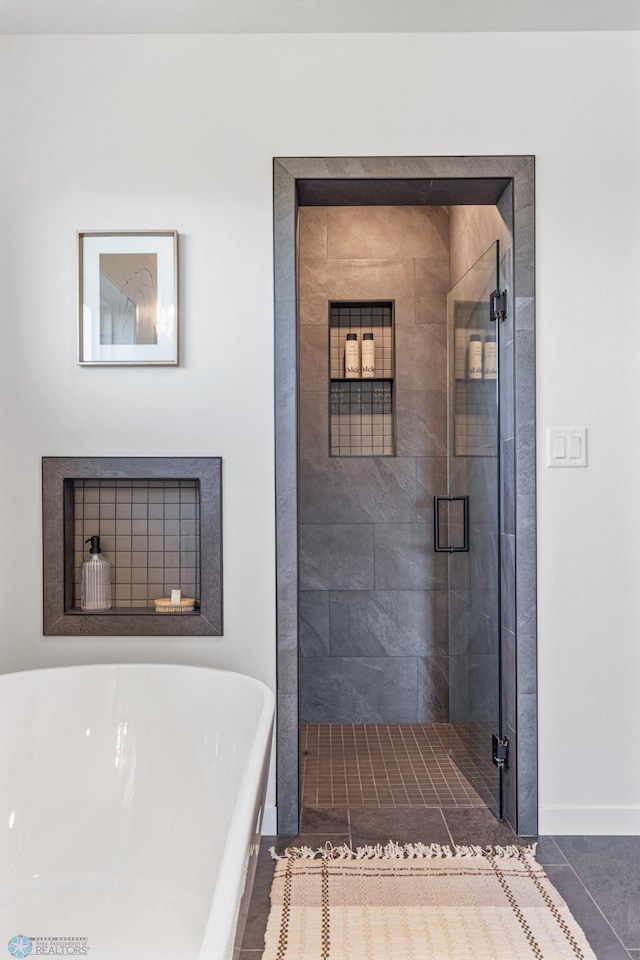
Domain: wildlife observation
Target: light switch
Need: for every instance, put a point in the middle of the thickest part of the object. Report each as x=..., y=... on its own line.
x=559, y=448
x=566, y=446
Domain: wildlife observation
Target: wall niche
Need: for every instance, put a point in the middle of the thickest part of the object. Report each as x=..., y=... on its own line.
x=362, y=409
x=159, y=520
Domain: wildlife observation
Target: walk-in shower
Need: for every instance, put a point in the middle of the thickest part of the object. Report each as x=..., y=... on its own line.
x=403, y=542
x=399, y=595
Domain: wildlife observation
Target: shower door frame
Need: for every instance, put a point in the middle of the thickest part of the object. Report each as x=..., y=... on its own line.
x=468, y=179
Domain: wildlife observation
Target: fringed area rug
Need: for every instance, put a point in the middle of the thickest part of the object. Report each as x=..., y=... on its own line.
x=418, y=902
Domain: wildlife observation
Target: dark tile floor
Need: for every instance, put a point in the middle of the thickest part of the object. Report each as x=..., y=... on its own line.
x=599, y=877
x=387, y=764
x=371, y=784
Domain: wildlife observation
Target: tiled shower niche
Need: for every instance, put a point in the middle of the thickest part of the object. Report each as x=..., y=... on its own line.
x=149, y=531
x=474, y=401
x=159, y=523
x=361, y=409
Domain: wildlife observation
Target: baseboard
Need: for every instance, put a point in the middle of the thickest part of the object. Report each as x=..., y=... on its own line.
x=270, y=821
x=621, y=821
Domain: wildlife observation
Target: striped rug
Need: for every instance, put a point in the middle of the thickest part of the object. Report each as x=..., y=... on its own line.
x=418, y=902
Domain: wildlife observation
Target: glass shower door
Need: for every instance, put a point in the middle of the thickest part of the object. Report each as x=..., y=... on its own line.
x=470, y=527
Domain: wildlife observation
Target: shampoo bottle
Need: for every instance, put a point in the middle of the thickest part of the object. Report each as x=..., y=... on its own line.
x=96, y=579
x=489, y=369
x=351, y=356
x=368, y=355
x=475, y=357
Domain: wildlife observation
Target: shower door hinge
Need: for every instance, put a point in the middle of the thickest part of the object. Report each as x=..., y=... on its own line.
x=498, y=306
x=500, y=751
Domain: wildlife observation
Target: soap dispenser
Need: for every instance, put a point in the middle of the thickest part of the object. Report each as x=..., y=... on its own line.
x=96, y=579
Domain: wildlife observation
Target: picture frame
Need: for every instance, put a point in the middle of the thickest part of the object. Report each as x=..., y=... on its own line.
x=128, y=298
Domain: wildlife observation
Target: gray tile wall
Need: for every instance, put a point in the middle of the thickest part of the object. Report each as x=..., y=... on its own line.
x=286, y=479
x=373, y=595
x=523, y=383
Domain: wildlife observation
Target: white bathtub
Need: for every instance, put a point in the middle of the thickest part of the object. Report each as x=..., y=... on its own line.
x=130, y=802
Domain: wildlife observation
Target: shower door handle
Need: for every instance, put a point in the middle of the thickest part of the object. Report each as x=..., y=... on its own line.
x=437, y=540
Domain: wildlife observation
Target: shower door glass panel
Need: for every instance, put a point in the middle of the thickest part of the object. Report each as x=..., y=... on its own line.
x=474, y=575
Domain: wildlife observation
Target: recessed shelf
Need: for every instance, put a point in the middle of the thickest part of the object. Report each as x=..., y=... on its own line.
x=128, y=612
x=474, y=407
x=359, y=381
x=361, y=408
x=160, y=524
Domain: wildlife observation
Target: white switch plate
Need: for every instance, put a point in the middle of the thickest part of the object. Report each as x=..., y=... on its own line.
x=566, y=446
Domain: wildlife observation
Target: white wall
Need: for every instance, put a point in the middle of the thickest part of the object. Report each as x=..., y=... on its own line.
x=162, y=132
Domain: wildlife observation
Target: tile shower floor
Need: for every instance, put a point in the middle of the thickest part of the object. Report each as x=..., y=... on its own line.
x=377, y=765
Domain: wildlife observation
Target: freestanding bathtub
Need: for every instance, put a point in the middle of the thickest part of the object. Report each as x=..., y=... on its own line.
x=131, y=798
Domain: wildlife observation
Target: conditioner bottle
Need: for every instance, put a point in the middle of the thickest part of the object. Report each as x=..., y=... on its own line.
x=475, y=357
x=489, y=363
x=368, y=355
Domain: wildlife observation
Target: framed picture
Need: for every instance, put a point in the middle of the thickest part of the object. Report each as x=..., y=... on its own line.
x=128, y=298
